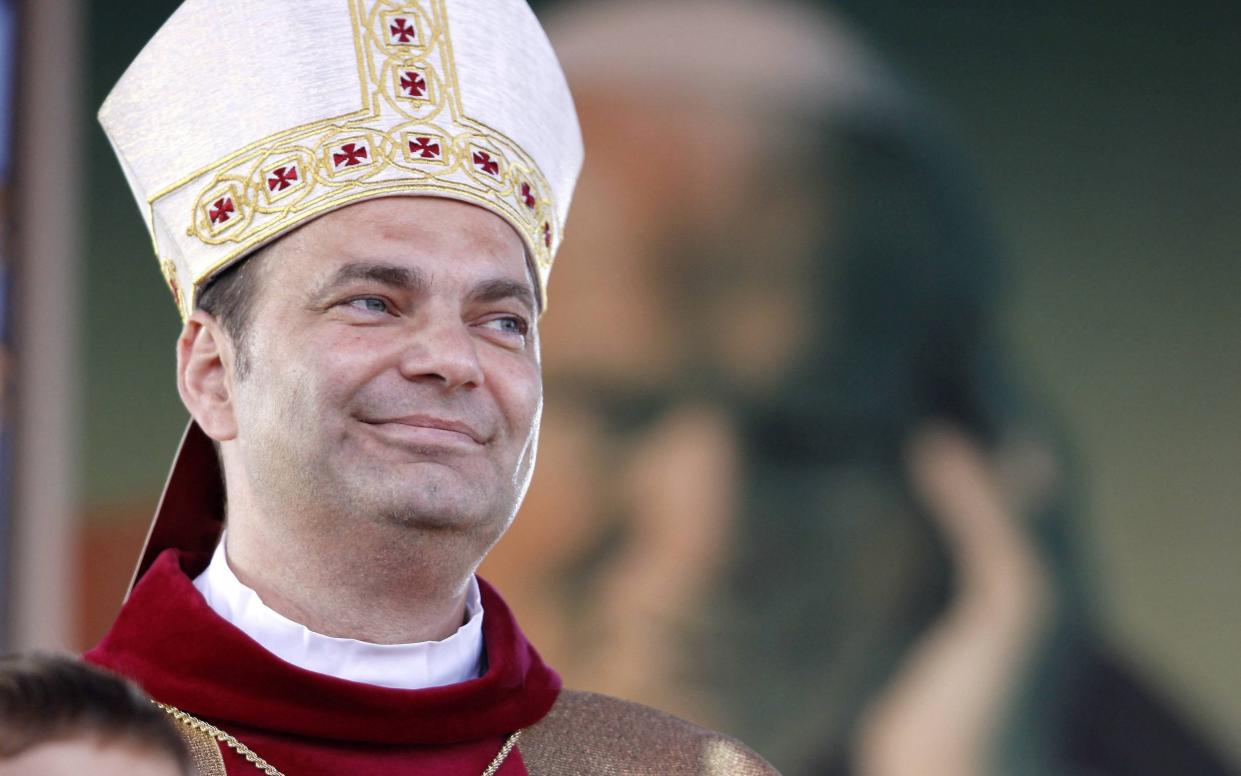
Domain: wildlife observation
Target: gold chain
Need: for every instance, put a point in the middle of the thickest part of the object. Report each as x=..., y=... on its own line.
x=189, y=720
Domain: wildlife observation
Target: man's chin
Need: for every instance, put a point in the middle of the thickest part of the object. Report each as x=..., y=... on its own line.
x=436, y=517
x=444, y=498
x=442, y=493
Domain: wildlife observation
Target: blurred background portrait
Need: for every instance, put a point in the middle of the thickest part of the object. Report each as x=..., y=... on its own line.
x=793, y=485
x=890, y=363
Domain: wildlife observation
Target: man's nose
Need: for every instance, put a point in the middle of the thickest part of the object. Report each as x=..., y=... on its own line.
x=443, y=352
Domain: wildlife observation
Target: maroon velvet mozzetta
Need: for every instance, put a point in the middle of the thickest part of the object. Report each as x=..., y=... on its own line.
x=170, y=641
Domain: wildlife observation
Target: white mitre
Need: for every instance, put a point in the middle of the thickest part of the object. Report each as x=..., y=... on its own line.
x=242, y=119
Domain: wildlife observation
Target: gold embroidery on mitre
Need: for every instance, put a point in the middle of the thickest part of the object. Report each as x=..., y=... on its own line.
x=411, y=134
x=169, y=271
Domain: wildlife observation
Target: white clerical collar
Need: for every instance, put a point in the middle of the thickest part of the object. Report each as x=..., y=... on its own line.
x=457, y=658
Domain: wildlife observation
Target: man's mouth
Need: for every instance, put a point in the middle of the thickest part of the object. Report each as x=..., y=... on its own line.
x=430, y=429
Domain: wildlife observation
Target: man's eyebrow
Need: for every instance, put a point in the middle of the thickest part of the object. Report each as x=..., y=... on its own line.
x=392, y=275
x=495, y=290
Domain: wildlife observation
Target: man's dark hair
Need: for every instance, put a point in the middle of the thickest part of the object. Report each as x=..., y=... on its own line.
x=230, y=298
x=46, y=698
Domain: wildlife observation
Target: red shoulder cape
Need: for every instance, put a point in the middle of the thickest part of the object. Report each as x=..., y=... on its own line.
x=168, y=640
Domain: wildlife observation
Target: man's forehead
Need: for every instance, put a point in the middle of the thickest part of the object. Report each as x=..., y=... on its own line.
x=409, y=241
x=421, y=217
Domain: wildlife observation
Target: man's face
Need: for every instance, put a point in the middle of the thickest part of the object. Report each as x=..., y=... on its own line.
x=394, y=369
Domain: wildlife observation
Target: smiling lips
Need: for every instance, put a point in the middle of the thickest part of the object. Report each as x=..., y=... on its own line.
x=426, y=429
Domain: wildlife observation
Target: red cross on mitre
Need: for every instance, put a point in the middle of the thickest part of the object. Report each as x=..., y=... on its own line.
x=401, y=30
x=527, y=195
x=221, y=210
x=351, y=154
x=425, y=147
x=547, y=234
x=413, y=84
x=282, y=178
x=487, y=163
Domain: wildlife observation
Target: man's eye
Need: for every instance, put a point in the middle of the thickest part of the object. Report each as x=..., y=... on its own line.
x=509, y=324
x=369, y=304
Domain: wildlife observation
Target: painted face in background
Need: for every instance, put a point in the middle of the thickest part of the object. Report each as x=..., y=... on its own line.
x=395, y=369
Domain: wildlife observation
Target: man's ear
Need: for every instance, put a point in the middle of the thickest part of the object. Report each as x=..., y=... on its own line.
x=205, y=375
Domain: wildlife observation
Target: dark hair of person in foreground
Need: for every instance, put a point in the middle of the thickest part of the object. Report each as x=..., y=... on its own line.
x=47, y=699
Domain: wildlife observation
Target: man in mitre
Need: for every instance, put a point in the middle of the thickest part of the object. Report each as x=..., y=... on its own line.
x=356, y=204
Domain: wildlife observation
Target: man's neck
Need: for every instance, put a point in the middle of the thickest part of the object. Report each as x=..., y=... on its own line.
x=365, y=586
